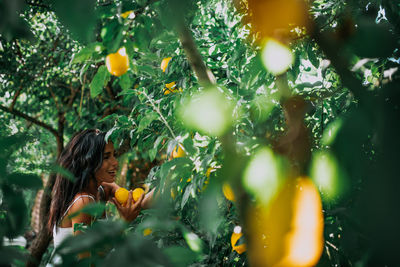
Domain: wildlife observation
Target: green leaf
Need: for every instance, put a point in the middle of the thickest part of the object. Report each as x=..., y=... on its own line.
x=16, y=212
x=186, y=195
x=99, y=80
x=125, y=82
x=25, y=180
x=165, y=168
x=152, y=154
x=78, y=16
x=146, y=120
x=180, y=256
x=9, y=254
x=112, y=35
x=189, y=146
x=94, y=209
x=313, y=57
x=64, y=172
x=82, y=55
x=147, y=70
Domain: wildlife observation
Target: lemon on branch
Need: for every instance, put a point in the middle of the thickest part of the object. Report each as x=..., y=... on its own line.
x=178, y=152
x=164, y=63
x=147, y=231
x=209, y=171
x=236, y=235
x=128, y=14
x=118, y=63
x=228, y=192
x=173, y=193
x=171, y=88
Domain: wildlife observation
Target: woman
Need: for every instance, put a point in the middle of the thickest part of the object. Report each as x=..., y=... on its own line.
x=93, y=164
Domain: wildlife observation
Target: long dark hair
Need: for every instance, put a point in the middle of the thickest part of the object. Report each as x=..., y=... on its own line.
x=82, y=157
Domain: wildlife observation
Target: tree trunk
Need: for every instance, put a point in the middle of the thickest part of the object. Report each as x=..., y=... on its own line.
x=42, y=240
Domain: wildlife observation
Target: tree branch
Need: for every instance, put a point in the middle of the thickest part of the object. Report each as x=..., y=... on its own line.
x=339, y=61
x=204, y=75
x=74, y=92
x=16, y=95
x=19, y=53
x=110, y=92
x=29, y=118
x=55, y=99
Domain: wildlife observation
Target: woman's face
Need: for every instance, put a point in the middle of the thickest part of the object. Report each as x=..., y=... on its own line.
x=109, y=167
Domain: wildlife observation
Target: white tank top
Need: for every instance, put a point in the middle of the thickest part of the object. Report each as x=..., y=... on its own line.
x=61, y=233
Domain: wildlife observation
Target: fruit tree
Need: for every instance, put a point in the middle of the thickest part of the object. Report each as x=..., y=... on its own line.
x=267, y=127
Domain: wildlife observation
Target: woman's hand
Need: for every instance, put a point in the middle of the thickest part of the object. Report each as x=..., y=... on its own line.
x=109, y=190
x=130, y=211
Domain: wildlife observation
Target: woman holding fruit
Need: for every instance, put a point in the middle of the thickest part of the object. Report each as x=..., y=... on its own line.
x=93, y=165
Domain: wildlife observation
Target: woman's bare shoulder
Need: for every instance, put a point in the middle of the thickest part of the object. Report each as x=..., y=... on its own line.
x=80, y=201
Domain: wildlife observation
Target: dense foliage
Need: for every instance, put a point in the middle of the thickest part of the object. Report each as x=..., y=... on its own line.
x=54, y=81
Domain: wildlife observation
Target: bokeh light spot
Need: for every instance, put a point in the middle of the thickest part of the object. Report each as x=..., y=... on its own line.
x=261, y=177
x=327, y=175
x=209, y=112
x=276, y=57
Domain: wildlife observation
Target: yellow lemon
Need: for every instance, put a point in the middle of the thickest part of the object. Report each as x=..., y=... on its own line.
x=137, y=193
x=276, y=18
x=164, y=63
x=228, y=192
x=170, y=85
x=236, y=235
x=289, y=231
x=118, y=63
x=209, y=171
x=122, y=195
x=173, y=193
x=178, y=152
x=172, y=90
x=147, y=231
x=128, y=14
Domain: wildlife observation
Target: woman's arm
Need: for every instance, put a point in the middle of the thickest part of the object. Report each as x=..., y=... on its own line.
x=81, y=218
x=148, y=199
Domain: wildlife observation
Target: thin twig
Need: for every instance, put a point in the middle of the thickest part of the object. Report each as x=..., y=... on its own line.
x=159, y=113
x=82, y=89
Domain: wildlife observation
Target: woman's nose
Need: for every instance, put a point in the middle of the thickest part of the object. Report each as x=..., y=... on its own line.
x=115, y=163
